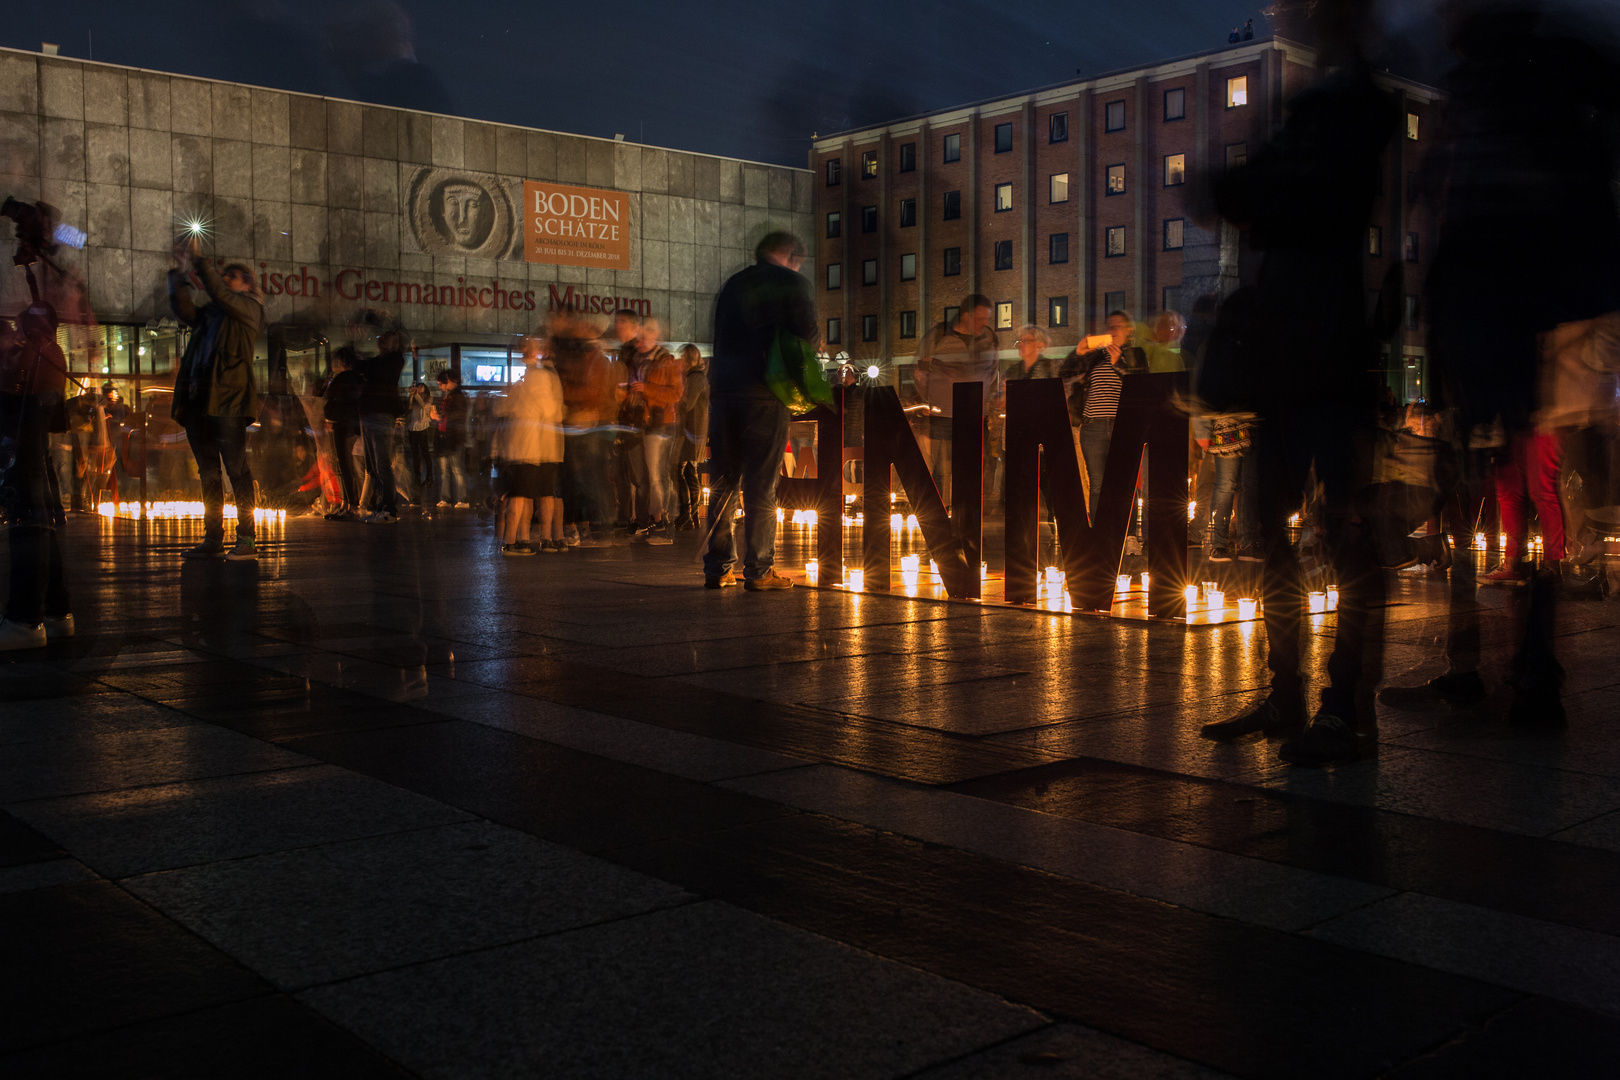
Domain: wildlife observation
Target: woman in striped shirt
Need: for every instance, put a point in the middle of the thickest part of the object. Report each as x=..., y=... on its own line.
x=1101, y=373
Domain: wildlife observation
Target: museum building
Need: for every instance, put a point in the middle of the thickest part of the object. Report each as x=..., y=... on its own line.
x=1067, y=202
x=469, y=233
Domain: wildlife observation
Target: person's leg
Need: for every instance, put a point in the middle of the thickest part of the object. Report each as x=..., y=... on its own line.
x=458, y=474
x=1095, y=435
x=1510, y=499
x=518, y=513
x=726, y=412
x=764, y=434
x=231, y=435
x=550, y=519
x=1542, y=460
x=200, y=434
x=940, y=432
x=1222, y=498
x=656, y=450
x=1245, y=513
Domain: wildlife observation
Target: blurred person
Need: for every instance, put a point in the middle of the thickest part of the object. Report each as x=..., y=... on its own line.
x=1033, y=363
x=1228, y=438
x=341, y=410
x=419, y=439
x=1305, y=199
x=33, y=380
x=651, y=408
x=481, y=448
x=214, y=396
x=694, y=435
x=962, y=351
x=1162, y=342
x=748, y=425
x=450, y=444
x=529, y=447
x=380, y=409
x=1099, y=376
x=589, y=386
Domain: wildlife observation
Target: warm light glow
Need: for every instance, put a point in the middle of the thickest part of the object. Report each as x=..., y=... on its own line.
x=933, y=571
x=1190, y=594
x=1479, y=542
x=1247, y=608
x=857, y=579
x=1122, y=584
x=872, y=371
x=1318, y=602
x=895, y=521
x=910, y=564
x=812, y=571
x=1192, y=510
x=1053, y=574
x=1333, y=599
x=984, y=571
x=1293, y=519
x=892, y=497
x=1214, y=599
x=911, y=521
x=780, y=515
x=1144, y=581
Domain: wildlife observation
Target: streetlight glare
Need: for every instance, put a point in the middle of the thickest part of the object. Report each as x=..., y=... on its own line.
x=872, y=371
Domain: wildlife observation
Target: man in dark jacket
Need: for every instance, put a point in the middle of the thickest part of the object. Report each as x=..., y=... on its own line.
x=454, y=412
x=747, y=424
x=214, y=395
x=380, y=407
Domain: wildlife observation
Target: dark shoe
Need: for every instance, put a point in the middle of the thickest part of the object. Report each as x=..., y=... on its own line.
x=1326, y=740
x=517, y=549
x=724, y=581
x=767, y=582
x=1441, y=692
x=1250, y=554
x=1267, y=717
x=1505, y=574
x=208, y=549
x=244, y=551
x=1220, y=555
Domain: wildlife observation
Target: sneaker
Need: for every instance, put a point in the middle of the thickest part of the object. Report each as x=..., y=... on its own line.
x=571, y=538
x=345, y=514
x=659, y=526
x=657, y=540
x=381, y=517
x=560, y=546
x=58, y=627
x=1268, y=717
x=724, y=581
x=546, y=547
x=1220, y=554
x=516, y=549
x=208, y=549
x=244, y=551
x=1249, y=554
x=441, y=503
x=1506, y=574
x=463, y=506
x=15, y=635
x=766, y=582
x=1326, y=740
x=1439, y=693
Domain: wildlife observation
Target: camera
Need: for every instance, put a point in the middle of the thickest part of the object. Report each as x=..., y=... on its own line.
x=38, y=231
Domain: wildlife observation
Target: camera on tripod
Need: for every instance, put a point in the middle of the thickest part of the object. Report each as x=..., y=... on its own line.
x=38, y=231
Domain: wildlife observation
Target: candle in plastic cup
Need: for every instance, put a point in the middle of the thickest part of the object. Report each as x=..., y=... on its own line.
x=1144, y=581
x=1215, y=599
x=895, y=521
x=911, y=521
x=1122, y=584
x=909, y=564
x=1190, y=594
x=1247, y=608
x=1052, y=575
x=1333, y=599
x=984, y=571
x=1318, y=602
x=857, y=580
x=812, y=571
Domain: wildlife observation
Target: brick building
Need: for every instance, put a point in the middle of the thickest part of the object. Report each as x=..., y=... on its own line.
x=1064, y=203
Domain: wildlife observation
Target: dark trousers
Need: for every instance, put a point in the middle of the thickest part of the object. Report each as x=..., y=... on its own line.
x=377, y=435
x=1285, y=449
x=38, y=587
x=215, y=440
x=420, y=444
x=343, y=436
x=586, y=459
x=747, y=430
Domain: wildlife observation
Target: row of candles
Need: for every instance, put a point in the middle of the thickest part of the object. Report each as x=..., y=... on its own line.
x=179, y=509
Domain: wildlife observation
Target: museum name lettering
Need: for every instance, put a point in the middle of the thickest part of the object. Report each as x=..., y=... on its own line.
x=354, y=284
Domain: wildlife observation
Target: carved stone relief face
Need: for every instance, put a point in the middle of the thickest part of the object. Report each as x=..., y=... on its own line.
x=456, y=213
x=465, y=210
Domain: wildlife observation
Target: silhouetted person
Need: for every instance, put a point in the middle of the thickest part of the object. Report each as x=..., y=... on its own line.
x=1305, y=200
x=342, y=411
x=380, y=408
x=961, y=351
x=1248, y=29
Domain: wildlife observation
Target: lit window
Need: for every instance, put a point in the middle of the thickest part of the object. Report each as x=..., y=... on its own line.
x=1004, y=258
x=1116, y=240
x=869, y=327
x=953, y=148
x=1412, y=126
x=908, y=157
x=869, y=272
x=1375, y=240
x=1175, y=104
x=908, y=268
x=1114, y=116
x=1003, y=138
x=1003, y=197
x=908, y=213
x=835, y=225
x=868, y=219
x=908, y=324
x=835, y=276
x=835, y=331
x=1057, y=311
x=869, y=165
x=1057, y=248
x=1057, y=128
x=1411, y=247
x=1059, y=185
x=953, y=205
x=1237, y=155
x=1004, y=315
x=835, y=171
x=953, y=262
x=1237, y=91
x=1174, y=229
x=1175, y=169
x=1116, y=180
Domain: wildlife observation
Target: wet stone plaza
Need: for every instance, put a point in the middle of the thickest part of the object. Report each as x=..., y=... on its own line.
x=387, y=804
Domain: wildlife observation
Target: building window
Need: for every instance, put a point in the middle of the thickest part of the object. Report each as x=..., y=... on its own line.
x=835, y=331
x=1174, y=229
x=953, y=262
x=951, y=315
x=1003, y=138
x=1058, y=187
x=908, y=213
x=953, y=205
x=1237, y=91
x=1375, y=240
x=835, y=171
x=953, y=148
x=1175, y=104
x=1412, y=126
x=1004, y=315
x=1113, y=301
x=1114, y=116
x=1237, y=155
x=1003, y=197
x=835, y=225
x=869, y=165
x=1414, y=188
x=1410, y=314
x=1116, y=240
x=1003, y=254
x=1057, y=248
x=869, y=327
x=1057, y=128
x=1172, y=299
x=1175, y=169
x=1116, y=180
x=869, y=272
x=868, y=219
x=908, y=157
x=835, y=276
x=1057, y=311
x=1411, y=247
x=908, y=324
x=908, y=268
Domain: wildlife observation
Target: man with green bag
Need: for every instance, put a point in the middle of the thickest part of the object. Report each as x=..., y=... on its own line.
x=748, y=421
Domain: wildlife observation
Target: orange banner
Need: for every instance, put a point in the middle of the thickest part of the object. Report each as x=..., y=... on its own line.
x=575, y=226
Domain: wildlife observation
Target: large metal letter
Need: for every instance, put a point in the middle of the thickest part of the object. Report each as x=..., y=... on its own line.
x=825, y=492
x=891, y=445
x=1041, y=460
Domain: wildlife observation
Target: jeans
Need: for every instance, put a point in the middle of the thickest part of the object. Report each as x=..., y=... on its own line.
x=747, y=430
x=453, y=475
x=1095, y=435
x=420, y=444
x=343, y=436
x=1234, y=484
x=649, y=471
x=377, y=435
x=216, y=439
x=586, y=457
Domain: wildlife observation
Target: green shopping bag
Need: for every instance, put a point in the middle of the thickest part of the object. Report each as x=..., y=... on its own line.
x=794, y=375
